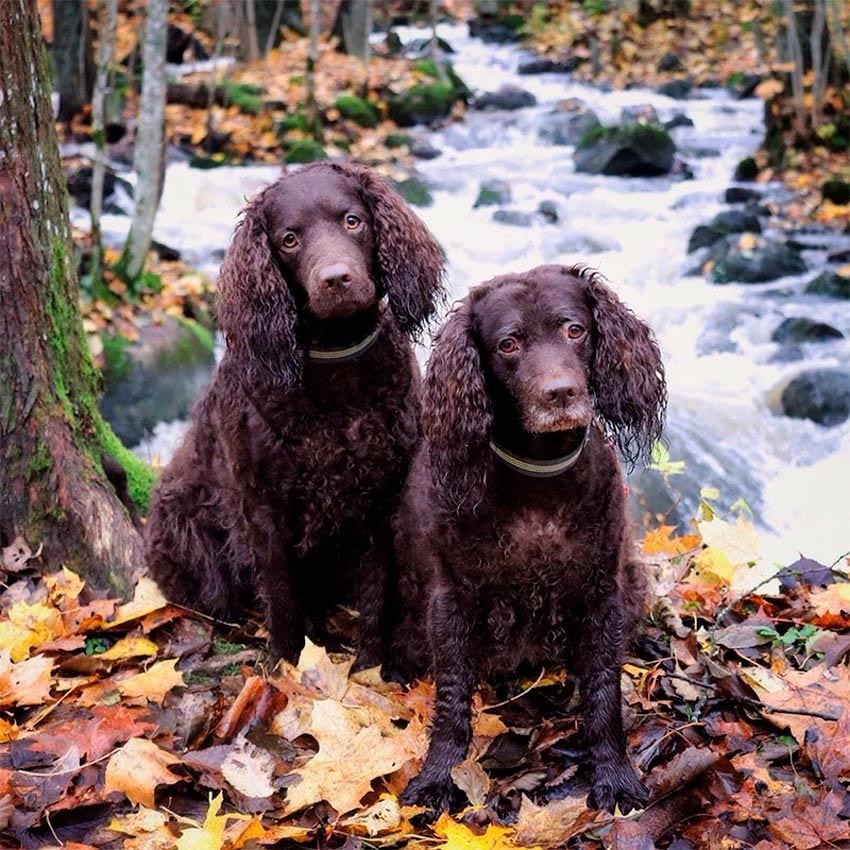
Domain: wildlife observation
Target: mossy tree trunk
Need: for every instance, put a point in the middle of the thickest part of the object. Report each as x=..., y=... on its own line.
x=53, y=490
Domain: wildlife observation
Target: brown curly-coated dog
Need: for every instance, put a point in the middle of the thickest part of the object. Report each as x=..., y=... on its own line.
x=285, y=485
x=514, y=524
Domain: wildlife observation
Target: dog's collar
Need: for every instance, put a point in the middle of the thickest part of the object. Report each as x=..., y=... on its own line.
x=337, y=355
x=540, y=468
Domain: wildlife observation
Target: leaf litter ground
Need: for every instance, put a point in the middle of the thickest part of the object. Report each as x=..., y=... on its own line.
x=142, y=725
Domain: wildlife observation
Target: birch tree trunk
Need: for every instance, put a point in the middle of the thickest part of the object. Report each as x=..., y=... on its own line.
x=53, y=489
x=147, y=157
x=107, y=16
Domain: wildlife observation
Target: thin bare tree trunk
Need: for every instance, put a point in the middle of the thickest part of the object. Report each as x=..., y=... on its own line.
x=310, y=76
x=275, y=26
x=53, y=489
x=147, y=157
x=433, y=7
x=839, y=40
x=72, y=58
x=796, y=56
x=250, y=29
x=818, y=59
x=107, y=16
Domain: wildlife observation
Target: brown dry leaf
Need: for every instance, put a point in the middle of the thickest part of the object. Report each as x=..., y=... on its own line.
x=378, y=819
x=146, y=598
x=806, y=825
x=25, y=683
x=155, y=683
x=16, y=556
x=137, y=768
x=555, y=823
x=249, y=769
x=64, y=587
x=355, y=747
x=139, y=823
x=832, y=605
x=470, y=777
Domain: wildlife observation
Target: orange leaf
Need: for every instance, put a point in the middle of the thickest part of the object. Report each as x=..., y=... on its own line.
x=154, y=683
x=137, y=768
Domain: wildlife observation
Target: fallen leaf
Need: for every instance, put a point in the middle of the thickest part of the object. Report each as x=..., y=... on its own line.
x=155, y=683
x=137, y=768
x=249, y=769
x=460, y=837
x=25, y=683
x=210, y=836
x=378, y=819
x=27, y=627
x=147, y=597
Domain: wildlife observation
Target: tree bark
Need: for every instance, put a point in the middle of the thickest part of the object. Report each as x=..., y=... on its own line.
x=107, y=17
x=147, y=157
x=72, y=56
x=353, y=26
x=53, y=489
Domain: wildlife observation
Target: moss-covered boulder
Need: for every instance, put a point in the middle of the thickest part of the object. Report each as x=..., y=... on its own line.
x=800, y=329
x=423, y=103
x=414, y=191
x=493, y=193
x=747, y=170
x=830, y=283
x=628, y=150
x=156, y=377
x=298, y=151
x=751, y=258
x=836, y=191
x=359, y=110
x=568, y=123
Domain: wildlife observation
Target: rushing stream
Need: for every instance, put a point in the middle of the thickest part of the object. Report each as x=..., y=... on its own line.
x=716, y=339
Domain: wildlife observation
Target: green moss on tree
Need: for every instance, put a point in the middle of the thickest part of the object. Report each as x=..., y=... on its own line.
x=140, y=477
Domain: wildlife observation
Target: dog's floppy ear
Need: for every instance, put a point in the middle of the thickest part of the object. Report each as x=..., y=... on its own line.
x=456, y=414
x=257, y=312
x=408, y=257
x=627, y=377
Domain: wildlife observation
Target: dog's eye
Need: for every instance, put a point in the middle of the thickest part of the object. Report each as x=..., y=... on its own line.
x=575, y=331
x=508, y=345
x=290, y=240
x=352, y=222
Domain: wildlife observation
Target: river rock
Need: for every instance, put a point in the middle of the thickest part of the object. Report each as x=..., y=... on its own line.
x=423, y=103
x=549, y=211
x=830, y=283
x=822, y=395
x=630, y=150
x=516, y=218
x=670, y=62
x=541, y=65
x=79, y=182
x=678, y=120
x=801, y=329
x=744, y=85
x=414, y=191
x=492, y=27
x=836, y=191
x=421, y=148
x=507, y=97
x=643, y=113
x=493, y=193
x=568, y=123
x=156, y=378
x=751, y=258
x=678, y=89
x=747, y=170
x=419, y=48
x=703, y=236
x=741, y=195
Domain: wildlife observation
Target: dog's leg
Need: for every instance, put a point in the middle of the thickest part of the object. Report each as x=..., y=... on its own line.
x=449, y=628
x=372, y=601
x=615, y=782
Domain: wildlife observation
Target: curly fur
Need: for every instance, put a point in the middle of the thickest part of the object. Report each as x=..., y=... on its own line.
x=519, y=570
x=283, y=488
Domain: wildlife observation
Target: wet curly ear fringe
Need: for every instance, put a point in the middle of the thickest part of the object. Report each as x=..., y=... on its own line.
x=257, y=313
x=456, y=415
x=627, y=377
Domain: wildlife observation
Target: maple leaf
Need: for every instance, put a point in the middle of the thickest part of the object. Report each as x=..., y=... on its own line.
x=29, y=626
x=147, y=598
x=660, y=541
x=137, y=768
x=832, y=605
x=25, y=683
x=460, y=837
x=210, y=836
x=354, y=749
x=249, y=769
x=155, y=683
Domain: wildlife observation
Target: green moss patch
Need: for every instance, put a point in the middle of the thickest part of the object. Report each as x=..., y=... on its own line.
x=358, y=109
x=303, y=150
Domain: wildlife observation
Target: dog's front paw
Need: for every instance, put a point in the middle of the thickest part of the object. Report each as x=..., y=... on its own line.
x=434, y=793
x=617, y=785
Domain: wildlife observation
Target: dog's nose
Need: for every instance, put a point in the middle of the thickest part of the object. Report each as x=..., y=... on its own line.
x=336, y=276
x=559, y=391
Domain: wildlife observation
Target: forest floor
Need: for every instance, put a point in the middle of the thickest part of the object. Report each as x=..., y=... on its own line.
x=144, y=726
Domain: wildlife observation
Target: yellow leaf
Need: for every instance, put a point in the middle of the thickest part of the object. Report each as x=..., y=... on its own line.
x=64, y=586
x=137, y=768
x=714, y=563
x=460, y=837
x=147, y=598
x=128, y=647
x=660, y=541
x=154, y=683
x=29, y=626
x=211, y=835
